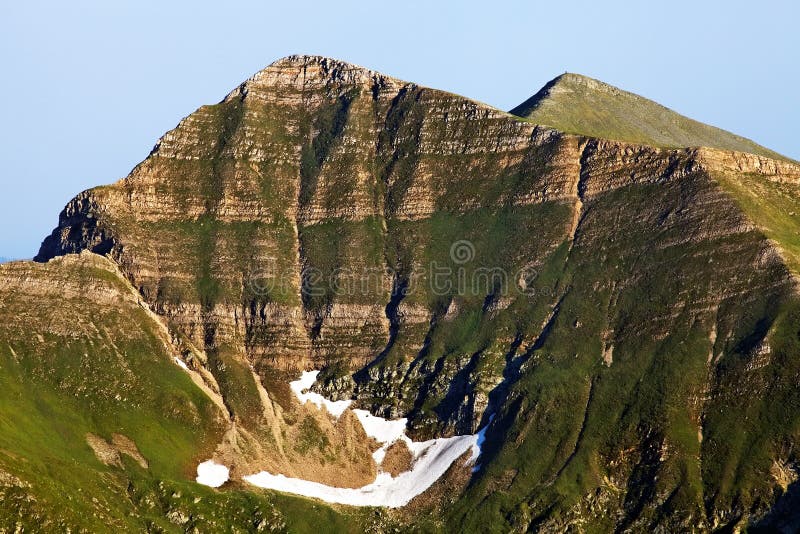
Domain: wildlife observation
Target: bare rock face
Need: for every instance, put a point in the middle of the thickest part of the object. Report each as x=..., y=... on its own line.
x=294, y=176
x=109, y=452
x=446, y=261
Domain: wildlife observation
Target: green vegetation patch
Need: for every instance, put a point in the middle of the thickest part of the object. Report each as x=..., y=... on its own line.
x=576, y=104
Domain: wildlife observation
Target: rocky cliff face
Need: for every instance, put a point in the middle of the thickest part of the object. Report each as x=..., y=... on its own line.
x=616, y=306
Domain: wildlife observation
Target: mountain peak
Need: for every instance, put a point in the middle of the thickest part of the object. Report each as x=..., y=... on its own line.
x=309, y=72
x=310, y=59
x=316, y=64
x=579, y=104
x=577, y=86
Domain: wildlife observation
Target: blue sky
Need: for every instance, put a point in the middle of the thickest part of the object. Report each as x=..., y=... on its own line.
x=88, y=87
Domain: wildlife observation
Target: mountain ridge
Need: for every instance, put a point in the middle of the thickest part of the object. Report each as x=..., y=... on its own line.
x=566, y=82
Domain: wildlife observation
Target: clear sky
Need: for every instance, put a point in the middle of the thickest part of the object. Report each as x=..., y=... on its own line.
x=88, y=87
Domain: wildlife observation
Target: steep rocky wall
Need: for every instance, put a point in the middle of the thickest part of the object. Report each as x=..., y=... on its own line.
x=248, y=221
x=299, y=168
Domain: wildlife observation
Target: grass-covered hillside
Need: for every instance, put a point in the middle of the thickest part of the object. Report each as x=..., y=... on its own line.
x=578, y=104
x=81, y=362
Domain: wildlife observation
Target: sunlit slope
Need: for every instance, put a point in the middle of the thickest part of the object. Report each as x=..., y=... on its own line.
x=79, y=357
x=767, y=191
x=578, y=104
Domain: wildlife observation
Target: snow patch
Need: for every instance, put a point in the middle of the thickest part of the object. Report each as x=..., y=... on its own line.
x=301, y=390
x=181, y=364
x=432, y=459
x=212, y=474
x=384, y=431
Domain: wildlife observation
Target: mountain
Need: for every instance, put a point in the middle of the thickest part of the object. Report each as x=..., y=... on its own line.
x=582, y=105
x=601, y=292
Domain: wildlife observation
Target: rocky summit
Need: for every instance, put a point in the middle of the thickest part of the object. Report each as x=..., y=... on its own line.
x=593, y=292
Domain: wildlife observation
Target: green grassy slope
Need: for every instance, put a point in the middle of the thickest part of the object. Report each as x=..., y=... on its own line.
x=773, y=206
x=78, y=355
x=679, y=427
x=578, y=104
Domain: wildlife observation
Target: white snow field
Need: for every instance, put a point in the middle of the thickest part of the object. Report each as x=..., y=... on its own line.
x=212, y=474
x=435, y=457
x=431, y=459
